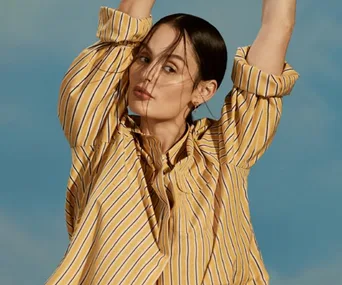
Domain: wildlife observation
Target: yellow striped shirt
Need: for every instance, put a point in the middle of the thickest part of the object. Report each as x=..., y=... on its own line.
x=137, y=216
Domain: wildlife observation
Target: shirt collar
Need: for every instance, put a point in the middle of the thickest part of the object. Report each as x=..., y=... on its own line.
x=178, y=151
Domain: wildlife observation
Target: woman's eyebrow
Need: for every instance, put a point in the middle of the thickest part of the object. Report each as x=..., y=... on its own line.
x=145, y=46
x=178, y=57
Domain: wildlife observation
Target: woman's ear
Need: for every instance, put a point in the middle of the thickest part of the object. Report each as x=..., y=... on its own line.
x=206, y=90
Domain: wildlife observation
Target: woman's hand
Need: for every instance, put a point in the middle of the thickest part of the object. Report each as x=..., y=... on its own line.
x=136, y=8
x=269, y=49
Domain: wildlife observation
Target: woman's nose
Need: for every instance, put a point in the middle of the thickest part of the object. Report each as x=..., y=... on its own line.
x=150, y=73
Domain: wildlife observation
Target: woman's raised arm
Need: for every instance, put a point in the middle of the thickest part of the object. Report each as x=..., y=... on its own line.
x=261, y=77
x=136, y=8
x=89, y=106
x=269, y=49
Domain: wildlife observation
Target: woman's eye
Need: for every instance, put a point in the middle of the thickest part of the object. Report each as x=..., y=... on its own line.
x=144, y=59
x=169, y=69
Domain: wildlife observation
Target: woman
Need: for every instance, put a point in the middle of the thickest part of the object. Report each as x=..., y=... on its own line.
x=156, y=198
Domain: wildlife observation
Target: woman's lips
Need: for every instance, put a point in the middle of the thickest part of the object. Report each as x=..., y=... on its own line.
x=142, y=93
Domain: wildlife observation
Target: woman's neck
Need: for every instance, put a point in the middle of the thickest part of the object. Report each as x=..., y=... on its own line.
x=167, y=132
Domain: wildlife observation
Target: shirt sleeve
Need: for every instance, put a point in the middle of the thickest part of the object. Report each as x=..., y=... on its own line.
x=90, y=104
x=252, y=110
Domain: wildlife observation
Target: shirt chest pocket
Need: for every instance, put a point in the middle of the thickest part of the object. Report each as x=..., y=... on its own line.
x=192, y=214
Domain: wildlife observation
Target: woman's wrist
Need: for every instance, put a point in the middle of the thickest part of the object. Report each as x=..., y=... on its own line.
x=137, y=8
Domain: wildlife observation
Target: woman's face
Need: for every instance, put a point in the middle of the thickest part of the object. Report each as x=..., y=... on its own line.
x=170, y=83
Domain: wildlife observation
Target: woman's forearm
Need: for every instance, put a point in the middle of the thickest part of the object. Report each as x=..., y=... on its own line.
x=279, y=12
x=137, y=8
x=269, y=49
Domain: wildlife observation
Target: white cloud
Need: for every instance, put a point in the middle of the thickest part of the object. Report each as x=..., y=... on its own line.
x=18, y=242
x=322, y=274
x=27, y=257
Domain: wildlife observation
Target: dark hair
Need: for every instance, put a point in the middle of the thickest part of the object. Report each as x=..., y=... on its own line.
x=207, y=43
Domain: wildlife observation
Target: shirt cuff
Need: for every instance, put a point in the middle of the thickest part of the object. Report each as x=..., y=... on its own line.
x=117, y=26
x=253, y=80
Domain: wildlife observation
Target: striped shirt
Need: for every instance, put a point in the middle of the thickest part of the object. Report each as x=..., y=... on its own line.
x=137, y=216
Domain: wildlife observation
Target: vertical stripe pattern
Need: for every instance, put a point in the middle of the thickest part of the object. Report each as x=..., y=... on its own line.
x=137, y=216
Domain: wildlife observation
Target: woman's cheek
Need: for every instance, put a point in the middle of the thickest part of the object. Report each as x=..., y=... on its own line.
x=134, y=72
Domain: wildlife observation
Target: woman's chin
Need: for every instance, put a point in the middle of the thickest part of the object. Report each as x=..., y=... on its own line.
x=146, y=114
x=138, y=109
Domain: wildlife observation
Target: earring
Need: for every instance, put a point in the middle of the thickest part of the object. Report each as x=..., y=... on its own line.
x=195, y=109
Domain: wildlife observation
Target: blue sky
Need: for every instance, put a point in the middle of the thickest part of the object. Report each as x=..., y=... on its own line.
x=295, y=189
